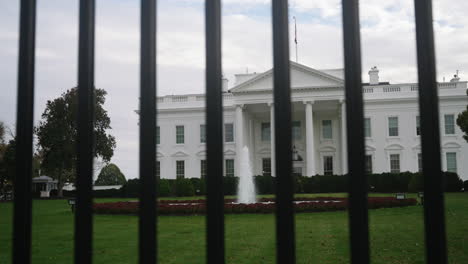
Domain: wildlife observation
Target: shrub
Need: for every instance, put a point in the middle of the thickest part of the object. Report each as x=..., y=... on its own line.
x=164, y=188
x=229, y=185
x=416, y=183
x=183, y=187
x=452, y=183
x=465, y=186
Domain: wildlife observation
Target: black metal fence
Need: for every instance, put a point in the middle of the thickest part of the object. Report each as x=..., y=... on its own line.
x=436, y=251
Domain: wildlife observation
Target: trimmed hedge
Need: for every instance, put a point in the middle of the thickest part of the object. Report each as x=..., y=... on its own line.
x=383, y=183
x=195, y=207
x=465, y=186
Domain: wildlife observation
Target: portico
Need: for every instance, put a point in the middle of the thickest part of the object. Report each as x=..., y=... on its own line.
x=317, y=136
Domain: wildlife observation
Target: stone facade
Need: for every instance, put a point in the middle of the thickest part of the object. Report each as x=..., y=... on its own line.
x=319, y=134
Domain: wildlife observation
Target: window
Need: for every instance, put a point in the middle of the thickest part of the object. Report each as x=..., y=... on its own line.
x=367, y=127
x=418, y=126
x=368, y=164
x=395, y=163
x=158, y=140
x=202, y=134
x=180, y=138
x=229, y=132
x=328, y=165
x=158, y=169
x=180, y=169
x=327, y=132
x=449, y=124
x=266, y=131
x=266, y=166
x=296, y=130
x=393, y=126
x=230, y=168
x=451, y=161
x=419, y=162
x=203, y=169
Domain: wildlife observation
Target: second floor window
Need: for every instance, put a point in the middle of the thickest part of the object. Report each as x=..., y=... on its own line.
x=229, y=132
x=180, y=169
x=202, y=134
x=265, y=131
x=327, y=132
x=449, y=124
x=393, y=126
x=180, y=137
x=367, y=127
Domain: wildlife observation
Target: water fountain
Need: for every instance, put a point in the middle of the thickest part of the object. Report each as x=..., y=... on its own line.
x=246, y=187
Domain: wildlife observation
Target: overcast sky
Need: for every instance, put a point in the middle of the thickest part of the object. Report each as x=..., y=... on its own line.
x=388, y=41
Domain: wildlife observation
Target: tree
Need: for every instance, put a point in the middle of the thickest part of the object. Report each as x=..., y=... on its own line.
x=2, y=133
x=110, y=175
x=57, y=135
x=462, y=121
x=7, y=165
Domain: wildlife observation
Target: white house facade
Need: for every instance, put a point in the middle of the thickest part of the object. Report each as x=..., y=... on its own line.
x=318, y=129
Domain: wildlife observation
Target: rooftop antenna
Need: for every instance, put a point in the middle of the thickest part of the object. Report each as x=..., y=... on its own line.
x=295, y=36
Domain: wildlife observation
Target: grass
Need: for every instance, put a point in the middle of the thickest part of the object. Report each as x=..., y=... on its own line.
x=396, y=235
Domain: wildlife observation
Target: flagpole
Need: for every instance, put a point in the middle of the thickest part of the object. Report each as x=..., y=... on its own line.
x=295, y=37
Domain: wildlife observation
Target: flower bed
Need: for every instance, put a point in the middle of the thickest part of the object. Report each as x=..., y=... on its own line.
x=197, y=207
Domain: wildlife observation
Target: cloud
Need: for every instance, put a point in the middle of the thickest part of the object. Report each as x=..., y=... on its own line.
x=388, y=41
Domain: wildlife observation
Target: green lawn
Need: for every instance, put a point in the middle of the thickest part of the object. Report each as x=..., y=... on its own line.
x=396, y=235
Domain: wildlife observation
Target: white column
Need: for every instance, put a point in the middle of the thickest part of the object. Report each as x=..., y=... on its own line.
x=310, y=147
x=272, y=139
x=344, y=143
x=239, y=136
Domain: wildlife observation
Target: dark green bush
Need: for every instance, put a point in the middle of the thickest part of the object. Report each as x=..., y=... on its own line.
x=184, y=187
x=465, y=186
x=452, y=182
x=229, y=185
x=416, y=183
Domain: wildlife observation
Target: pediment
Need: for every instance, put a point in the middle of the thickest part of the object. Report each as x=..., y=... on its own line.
x=201, y=153
x=301, y=77
x=369, y=148
x=229, y=153
x=327, y=149
x=394, y=147
x=264, y=151
x=159, y=154
x=451, y=145
x=180, y=154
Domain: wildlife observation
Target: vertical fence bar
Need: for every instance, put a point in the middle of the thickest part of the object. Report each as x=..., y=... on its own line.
x=148, y=202
x=358, y=215
x=24, y=134
x=214, y=132
x=285, y=236
x=85, y=140
x=434, y=217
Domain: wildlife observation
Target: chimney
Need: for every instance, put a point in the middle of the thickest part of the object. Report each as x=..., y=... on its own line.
x=225, y=83
x=374, y=76
x=455, y=78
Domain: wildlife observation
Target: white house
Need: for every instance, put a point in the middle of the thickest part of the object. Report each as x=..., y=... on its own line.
x=391, y=125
